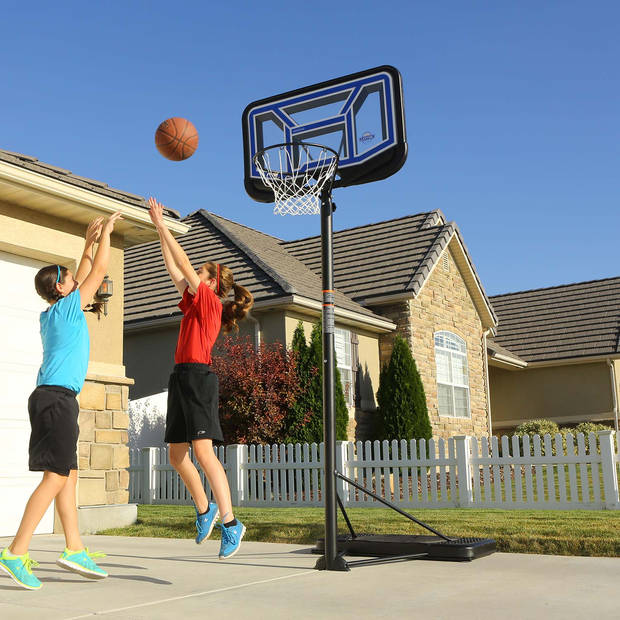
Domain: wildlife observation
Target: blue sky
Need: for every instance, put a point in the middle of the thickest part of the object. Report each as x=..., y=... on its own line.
x=512, y=112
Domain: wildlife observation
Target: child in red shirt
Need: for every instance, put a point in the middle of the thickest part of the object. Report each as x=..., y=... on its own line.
x=193, y=389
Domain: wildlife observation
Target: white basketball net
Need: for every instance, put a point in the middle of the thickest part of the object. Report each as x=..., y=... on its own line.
x=296, y=185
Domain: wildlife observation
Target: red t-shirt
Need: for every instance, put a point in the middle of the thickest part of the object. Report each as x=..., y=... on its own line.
x=202, y=319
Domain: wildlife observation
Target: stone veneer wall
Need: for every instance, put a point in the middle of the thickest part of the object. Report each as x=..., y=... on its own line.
x=102, y=445
x=443, y=303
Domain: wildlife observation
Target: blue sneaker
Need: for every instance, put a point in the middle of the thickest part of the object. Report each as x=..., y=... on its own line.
x=205, y=523
x=231, y=539
x=19, y=568
x=81, y=562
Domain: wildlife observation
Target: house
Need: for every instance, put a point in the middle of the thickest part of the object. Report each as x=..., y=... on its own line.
x=412, y=275
x=44, y=211
x=565, y=348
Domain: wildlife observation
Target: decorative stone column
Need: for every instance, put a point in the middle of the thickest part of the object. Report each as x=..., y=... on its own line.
x=103, y=455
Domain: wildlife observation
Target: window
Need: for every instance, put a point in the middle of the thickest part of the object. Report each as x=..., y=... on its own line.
x=452, y=375
x=342, y=344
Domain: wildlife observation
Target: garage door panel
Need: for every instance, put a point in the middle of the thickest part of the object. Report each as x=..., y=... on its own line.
x=20, y=359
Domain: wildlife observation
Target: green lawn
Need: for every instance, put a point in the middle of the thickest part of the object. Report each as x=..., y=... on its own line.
x=570, y=532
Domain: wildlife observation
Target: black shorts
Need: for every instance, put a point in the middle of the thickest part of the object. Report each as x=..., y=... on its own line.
x=193, y=399
x=53, y=412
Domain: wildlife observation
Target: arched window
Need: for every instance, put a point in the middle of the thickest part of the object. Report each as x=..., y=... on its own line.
x=452, y=375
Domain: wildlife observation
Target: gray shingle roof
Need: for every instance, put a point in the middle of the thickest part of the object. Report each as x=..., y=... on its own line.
x=386, y=258
x=258, y=261
x=568, y=321
x=32, y=163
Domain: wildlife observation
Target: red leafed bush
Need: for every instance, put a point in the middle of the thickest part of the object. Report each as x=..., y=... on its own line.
x=257, y=388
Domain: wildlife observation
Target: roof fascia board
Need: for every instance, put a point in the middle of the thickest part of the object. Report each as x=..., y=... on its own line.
x=571, y=361
x=84, y=198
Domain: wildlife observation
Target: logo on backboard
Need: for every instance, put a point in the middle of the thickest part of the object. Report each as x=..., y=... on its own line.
x=367, y=136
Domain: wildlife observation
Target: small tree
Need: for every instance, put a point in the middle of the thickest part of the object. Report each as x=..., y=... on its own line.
x=307, y=415
x=402, y=402
x=257, y=389
x=300, y=414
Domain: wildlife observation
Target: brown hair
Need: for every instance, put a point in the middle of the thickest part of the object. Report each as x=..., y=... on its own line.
x=232, y=311
x=45, y=285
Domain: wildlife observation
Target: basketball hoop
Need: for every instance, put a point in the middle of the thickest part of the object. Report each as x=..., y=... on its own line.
x=297, y=173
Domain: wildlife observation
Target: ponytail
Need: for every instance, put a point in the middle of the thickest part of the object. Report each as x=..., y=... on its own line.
x=234, y=311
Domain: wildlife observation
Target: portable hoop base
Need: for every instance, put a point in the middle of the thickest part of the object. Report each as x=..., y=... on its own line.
x=395, y=547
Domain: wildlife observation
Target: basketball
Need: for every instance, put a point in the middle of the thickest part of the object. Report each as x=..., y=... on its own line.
x=176, y=139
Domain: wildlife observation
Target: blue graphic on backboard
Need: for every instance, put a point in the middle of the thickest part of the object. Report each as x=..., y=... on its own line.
x=360, y=116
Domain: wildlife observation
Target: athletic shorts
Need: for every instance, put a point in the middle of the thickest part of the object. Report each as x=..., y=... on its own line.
x=53, y=412
x=193, y=399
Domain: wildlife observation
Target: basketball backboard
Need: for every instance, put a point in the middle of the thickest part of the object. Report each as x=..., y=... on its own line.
x=360, y=116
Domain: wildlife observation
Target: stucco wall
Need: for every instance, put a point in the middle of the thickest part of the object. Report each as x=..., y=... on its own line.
x=566, y=394
x=444, y=303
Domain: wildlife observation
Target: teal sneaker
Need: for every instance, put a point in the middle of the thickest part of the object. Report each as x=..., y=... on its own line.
x=81, y=562
x=19, y=568
x=205, y=523
x=231, y=539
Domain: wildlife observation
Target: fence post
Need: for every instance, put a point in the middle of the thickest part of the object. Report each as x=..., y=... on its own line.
x=236, y=457
x=608, y=463
x=149, y=458
x=342, y=488
x=463, y=471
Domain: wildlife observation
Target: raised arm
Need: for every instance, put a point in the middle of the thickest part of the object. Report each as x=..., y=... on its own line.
x=156, y=213
x=100, y=263
x=86, y=262
x=176, y=254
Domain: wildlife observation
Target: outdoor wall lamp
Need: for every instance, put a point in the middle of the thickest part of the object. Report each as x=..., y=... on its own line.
x=105, y=291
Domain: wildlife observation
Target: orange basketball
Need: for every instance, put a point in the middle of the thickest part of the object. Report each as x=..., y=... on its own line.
x=176, y=139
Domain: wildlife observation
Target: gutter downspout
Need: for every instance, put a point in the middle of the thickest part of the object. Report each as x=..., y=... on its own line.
x=486, y=376
x=253, y=319
x=614, y=394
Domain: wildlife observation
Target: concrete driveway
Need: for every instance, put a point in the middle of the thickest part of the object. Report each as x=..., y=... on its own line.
x=152, y=578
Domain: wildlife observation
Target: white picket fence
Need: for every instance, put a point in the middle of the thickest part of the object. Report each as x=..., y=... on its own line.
x=463, y=471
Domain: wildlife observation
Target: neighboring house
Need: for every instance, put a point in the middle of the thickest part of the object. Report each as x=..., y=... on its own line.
x=44, y=211
x=567, y=339
x=412, y=275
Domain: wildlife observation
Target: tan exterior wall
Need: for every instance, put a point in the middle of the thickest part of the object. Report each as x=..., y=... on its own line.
x=444, y=303
x=273, y=326
x=103, y=454
x=566, y=394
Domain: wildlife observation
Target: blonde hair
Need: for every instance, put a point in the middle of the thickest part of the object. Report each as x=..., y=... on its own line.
x=232, y=311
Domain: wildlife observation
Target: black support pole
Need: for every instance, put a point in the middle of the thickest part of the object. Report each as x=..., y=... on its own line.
x=331, y=560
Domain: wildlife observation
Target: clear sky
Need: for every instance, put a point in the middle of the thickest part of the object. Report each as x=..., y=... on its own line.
x=512, y=108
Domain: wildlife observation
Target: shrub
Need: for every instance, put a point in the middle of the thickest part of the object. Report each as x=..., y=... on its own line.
x=586, y=428
x=308, y=412
x=257, y=388
x=402, y=410
x=538, y=427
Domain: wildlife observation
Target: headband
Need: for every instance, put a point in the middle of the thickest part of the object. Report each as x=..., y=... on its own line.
x=218, y=277
x=58, y=278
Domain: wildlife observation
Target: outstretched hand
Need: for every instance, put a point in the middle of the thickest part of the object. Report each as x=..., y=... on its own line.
x=108, y=227
x=93, y=232
x=156, y=211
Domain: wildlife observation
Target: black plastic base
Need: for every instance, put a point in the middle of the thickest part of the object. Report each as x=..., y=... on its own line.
x=434, y=547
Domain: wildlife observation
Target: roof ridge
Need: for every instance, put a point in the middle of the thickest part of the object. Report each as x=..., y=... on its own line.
x=396, y=219
x=432, y=255
x=556, y=286
x=212, y=219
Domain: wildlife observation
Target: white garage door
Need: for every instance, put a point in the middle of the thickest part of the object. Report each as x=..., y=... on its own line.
x=20, y=358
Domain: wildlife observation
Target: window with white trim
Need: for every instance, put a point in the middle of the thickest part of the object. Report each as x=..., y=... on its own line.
x=452, y=375
x=342, y=344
